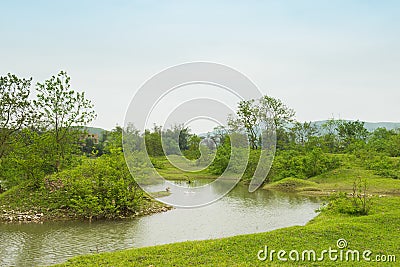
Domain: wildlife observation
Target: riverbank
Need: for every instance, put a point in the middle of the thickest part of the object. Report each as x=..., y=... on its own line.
x=378, y=232
x=95, y=189
x=35, y=216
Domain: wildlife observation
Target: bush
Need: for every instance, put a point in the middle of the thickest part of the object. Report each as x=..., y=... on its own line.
x=287, y=163
x=292, y=163
x=357, y=203
x=222, y=157
x=101, y=188
x=383, y=166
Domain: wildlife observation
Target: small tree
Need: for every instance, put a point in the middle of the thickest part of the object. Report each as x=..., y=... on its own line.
x=153, y=142
x=63, y=111
x=275, y=109
x=357, y=204
x=360, y=198
x=193, y=151
x=248, y=120
x=15, y=108
x=329, y=138
x=303, y=132
x=351, y=132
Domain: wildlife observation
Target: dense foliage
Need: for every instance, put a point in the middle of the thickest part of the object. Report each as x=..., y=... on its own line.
x=101, y=187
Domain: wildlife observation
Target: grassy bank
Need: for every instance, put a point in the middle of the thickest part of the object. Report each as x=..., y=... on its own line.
x=100, y=188
x=341, y=179
x=165, y=168
x=26, y=205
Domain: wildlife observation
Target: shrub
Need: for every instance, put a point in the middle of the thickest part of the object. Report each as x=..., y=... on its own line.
x=357, y=203
x=101, y=187
x=292, y=163
x=383, y=166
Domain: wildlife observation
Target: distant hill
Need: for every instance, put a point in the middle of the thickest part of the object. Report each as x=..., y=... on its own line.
x=370, y=126
x=388, y=125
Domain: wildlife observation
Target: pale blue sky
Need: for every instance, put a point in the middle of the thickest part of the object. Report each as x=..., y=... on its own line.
x=322, y=58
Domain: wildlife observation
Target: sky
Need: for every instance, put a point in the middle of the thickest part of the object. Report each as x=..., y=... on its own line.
x=322, y=58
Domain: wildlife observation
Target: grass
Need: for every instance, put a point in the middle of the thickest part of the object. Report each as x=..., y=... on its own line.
x=169, y=171
x=379, y=232
x=37, y=201
x=341, y=179
x=160, y=194
x=291, y=184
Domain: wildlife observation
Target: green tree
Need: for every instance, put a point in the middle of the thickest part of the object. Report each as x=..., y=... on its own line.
x=218, y=135
x=184, y=135
x=222, y=157
x=15, y=109
x=264, y=115
x=175, y=139
x=275, y=115
x=274, y=109
x=385, y=141
x=303, y=132
x=248, y=113
x=88, y=146
x=31, y=158
x=132, y=139
x=248, y=120
x=63, y=111
x=351, y=133
x=193, y=151
x=113, y=141
x=329, y=138
x=153, y=142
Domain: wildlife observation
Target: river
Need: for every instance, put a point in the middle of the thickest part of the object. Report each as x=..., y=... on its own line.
x=239, y=212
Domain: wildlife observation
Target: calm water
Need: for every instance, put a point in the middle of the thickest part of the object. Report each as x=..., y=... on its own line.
x=240, y=212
